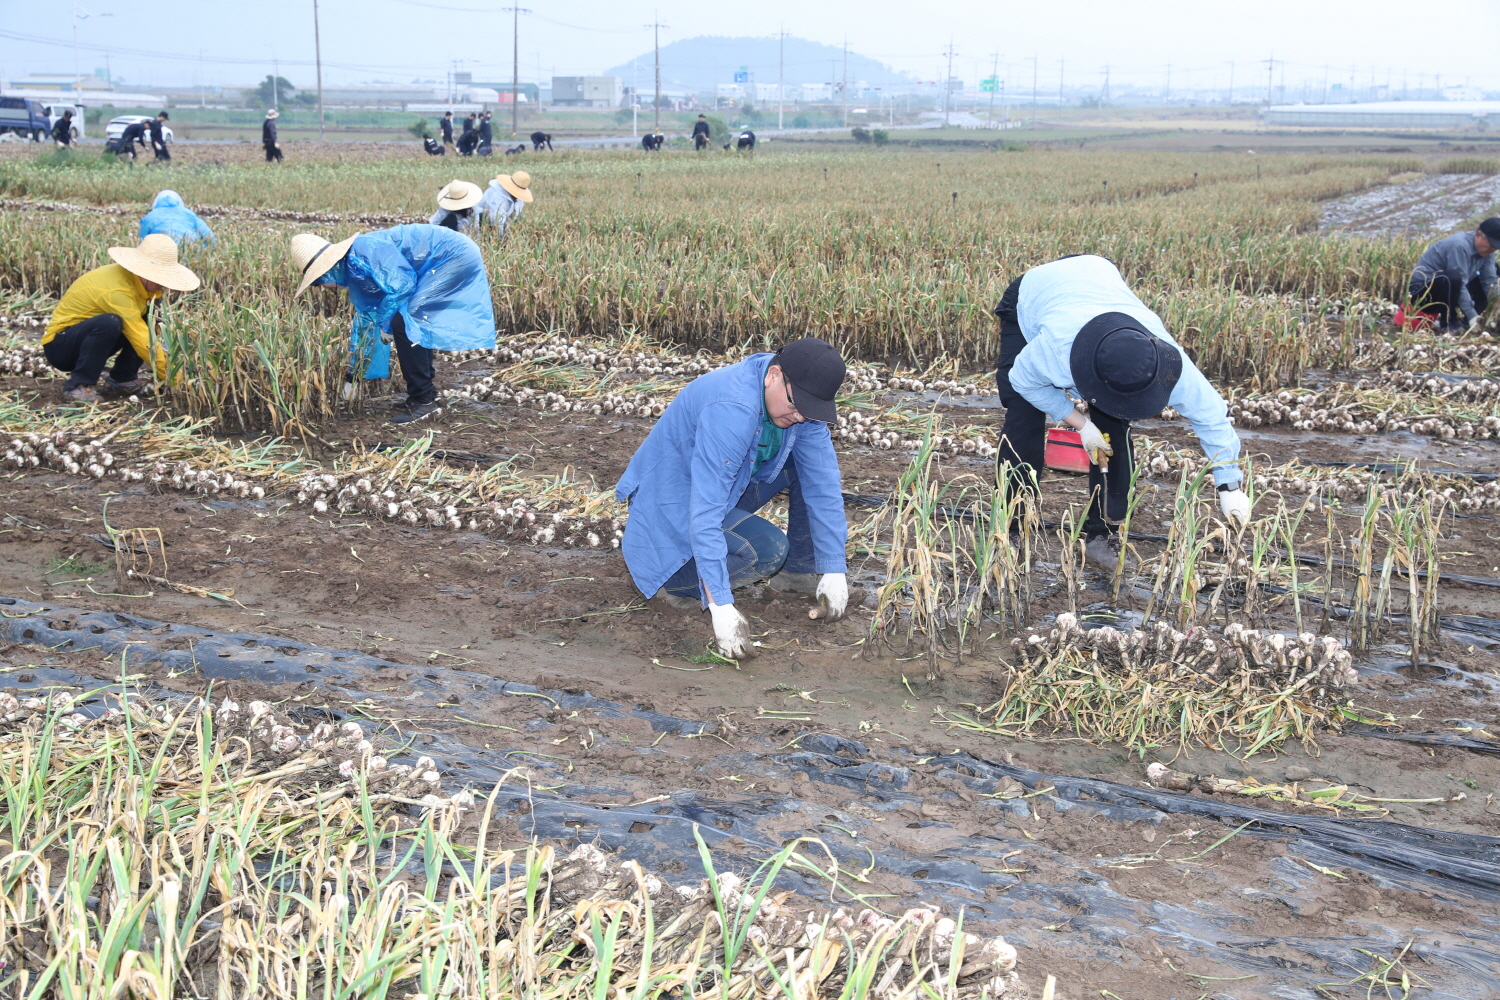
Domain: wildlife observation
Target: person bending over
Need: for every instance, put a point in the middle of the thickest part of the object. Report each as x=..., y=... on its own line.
x=730, y=441
x=103, y=315
x=1455, y=277
x=171, y=217
x=1073, y=335
x=456, y=203
x=421, y=287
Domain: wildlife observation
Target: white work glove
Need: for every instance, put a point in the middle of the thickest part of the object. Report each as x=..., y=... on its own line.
x=833, y=595
x=732, y=632
x=1475, y=324
x=1236, y=506
x=387, y=337
x=1095, y=443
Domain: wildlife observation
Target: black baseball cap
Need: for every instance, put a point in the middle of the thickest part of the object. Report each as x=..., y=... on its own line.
x=1491, y=229
x=1122, y=368
x=815, y=371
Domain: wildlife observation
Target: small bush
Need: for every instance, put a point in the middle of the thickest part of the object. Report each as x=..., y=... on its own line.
x=418, y=128
x=881, y=136
x=860, y=133
x=802, y=121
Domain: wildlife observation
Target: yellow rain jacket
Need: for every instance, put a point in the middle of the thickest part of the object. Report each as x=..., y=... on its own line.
x=109, y=289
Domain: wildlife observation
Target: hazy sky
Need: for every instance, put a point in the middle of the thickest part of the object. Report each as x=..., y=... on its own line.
x=400, y=40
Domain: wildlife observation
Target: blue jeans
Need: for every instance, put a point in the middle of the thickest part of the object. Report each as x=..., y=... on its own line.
x=757, y=548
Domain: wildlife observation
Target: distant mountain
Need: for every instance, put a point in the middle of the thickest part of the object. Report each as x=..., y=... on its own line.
x=698, y=64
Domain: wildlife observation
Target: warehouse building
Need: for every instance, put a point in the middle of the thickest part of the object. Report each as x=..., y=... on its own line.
x=1387, y=114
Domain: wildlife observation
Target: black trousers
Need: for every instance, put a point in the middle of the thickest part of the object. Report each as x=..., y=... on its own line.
x=1440, y=295
x=161, y=150
x=1023, y=439
x=84, y=348
x=416, y=365
x=273, y=153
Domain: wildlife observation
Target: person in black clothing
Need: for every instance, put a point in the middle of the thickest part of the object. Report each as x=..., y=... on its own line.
x=486, y=135
x=63, y=130
x=701, y=133
x=268, y=136
x=651, y=142
x=446, y=124
x=540, y=139
x=134, y=133
x=746, y=141
x=467, y=140
x=158, y=140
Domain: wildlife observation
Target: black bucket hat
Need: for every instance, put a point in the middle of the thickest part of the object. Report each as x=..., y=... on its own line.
x=1122, y=369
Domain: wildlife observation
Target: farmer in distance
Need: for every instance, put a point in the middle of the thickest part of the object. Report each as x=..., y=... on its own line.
x=421, y=287
x=103, y=314
x=1073, y=330
x=731, y=441
x=1456, y=276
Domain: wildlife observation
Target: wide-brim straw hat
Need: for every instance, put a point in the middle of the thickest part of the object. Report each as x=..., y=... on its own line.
x=314, y=255
x=156, y=260
x=459, y=195
x=517, y=184
x=273, y=113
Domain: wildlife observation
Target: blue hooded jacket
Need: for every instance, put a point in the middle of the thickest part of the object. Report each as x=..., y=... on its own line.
x=171, y=217
x=695, y=464
x=433, y=277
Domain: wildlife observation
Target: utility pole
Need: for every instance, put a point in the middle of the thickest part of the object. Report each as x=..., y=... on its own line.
x=656, y=27
x=1104, y=98
x=1325, y=83
x=1231, y=82
x=844, y=90
x=948, y=85
x=318, y=54
x=1167, y=96
x=994, y=86
x=515, y=71
x=1060, y=64
x=1270, y=79
x=781, y=77
x=275, y=83
x=1033, y=91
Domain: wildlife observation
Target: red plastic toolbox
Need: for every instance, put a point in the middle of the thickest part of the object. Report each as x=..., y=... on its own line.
x=1065, y=451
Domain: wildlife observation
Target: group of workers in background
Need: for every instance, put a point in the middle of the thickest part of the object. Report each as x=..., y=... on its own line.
x=1078, y=348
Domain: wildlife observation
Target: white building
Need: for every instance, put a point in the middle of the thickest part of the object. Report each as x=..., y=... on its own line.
x=816, y=92
x=730, y=91
x=587, y=91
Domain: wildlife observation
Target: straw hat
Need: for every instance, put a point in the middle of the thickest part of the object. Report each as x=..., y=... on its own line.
x=273, y=113
x=518, y=184
x=459, y=195
x=156, y=260
x=314, y=255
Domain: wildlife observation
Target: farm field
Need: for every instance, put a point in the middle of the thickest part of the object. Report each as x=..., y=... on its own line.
x=1283, y=783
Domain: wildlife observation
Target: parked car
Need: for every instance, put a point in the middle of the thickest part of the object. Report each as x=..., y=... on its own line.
x=116, y=126
x=24, y=117
x=54, y=113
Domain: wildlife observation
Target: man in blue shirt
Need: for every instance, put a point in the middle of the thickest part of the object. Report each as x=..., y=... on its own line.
x=1456, y=276
x=1073, y=335
x=731, y=441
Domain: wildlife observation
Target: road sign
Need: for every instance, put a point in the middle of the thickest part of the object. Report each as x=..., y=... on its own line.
x=742, y=75
x=989, y=85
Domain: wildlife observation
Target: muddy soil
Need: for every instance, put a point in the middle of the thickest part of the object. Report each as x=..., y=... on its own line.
x=444, y=605
x=1430, y=205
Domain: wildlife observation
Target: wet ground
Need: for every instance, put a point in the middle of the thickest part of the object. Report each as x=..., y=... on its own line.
x=823, y=735
x=1427, y=205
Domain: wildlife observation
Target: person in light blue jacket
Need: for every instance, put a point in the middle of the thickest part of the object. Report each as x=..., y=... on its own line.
x=423, y=288
x=726, y=445
x=1072, y=335
x=170, y=216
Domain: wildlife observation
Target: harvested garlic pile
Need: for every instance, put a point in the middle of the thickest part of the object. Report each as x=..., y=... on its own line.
x=25, y=358
x=59, y=451
x=857, y=427
x=1434, y=386
x=493, y=390
x=1261, y=661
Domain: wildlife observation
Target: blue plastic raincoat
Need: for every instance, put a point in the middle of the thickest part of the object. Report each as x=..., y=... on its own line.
x=171, y=217
x=433, y=277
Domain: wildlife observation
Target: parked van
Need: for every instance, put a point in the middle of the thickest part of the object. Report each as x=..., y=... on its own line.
x=25, y=117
